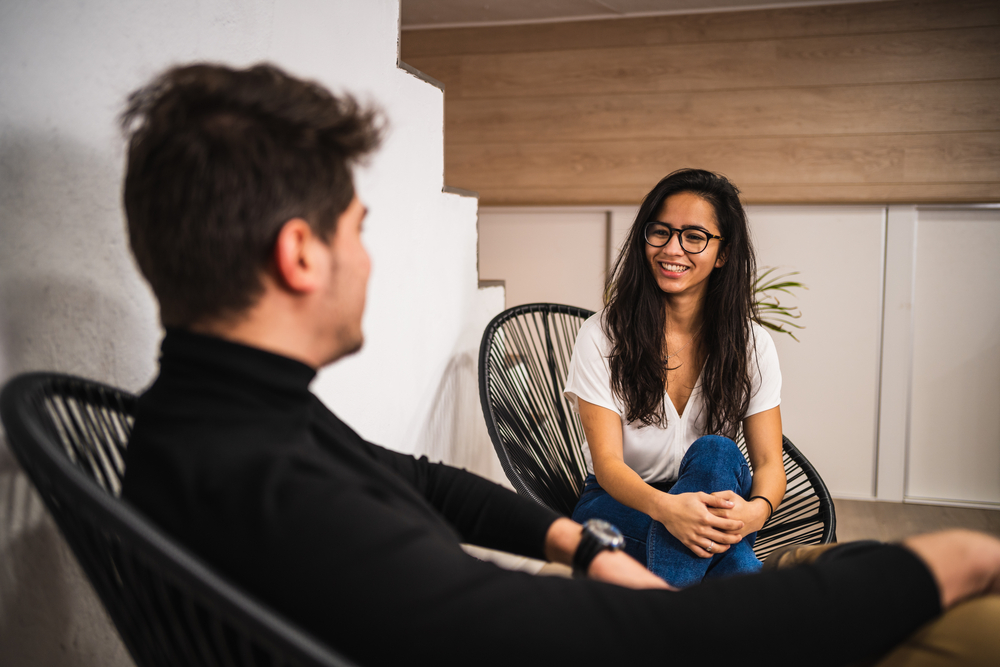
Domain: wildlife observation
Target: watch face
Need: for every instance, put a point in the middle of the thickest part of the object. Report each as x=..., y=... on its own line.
x=606, y=533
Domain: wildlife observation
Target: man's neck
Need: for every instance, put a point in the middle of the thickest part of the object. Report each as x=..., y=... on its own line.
x=267, y=328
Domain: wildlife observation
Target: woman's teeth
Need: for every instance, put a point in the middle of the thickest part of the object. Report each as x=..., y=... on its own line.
x=674, y=268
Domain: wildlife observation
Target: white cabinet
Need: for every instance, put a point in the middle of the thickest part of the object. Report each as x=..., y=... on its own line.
x=954, y=433
x=829, y=395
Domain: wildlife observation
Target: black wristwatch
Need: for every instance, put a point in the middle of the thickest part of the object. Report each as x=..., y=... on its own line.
x=597, y=536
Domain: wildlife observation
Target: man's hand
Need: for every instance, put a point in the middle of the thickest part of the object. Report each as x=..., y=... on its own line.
x=964, y=563
x=613, y=567
x=617, y=567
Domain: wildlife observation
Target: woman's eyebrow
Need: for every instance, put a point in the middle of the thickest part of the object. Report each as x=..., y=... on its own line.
x=682, y=227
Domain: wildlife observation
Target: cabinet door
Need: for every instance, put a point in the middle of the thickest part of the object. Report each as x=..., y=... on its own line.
x=954, y=443
x=829, y=394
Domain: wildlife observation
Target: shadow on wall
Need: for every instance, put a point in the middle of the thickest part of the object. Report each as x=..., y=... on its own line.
x=455, y=431
x=49, y=615
x=71, y=300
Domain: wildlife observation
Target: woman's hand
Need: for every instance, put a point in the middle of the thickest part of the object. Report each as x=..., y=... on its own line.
x=691, y=519
x=751, y=514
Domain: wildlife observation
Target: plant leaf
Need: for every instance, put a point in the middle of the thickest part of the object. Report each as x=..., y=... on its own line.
x=771, y=313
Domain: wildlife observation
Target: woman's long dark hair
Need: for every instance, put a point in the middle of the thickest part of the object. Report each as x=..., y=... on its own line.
x=635, y=313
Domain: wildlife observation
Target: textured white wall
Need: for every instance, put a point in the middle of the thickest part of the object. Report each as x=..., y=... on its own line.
x=71, y=299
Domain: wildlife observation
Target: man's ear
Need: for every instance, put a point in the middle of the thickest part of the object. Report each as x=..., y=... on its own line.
x=296, y=258
x=720, y=261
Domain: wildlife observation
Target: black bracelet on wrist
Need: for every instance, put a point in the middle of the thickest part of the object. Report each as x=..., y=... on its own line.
x=769, y=505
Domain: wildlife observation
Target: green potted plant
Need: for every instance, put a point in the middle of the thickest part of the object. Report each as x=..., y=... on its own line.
x=774, y=315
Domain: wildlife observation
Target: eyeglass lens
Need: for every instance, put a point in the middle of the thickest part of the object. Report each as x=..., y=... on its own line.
x=692, y=240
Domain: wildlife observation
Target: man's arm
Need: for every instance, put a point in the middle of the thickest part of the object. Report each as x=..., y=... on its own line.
x=964, y=563
x=354, y=559
x=489, y=515
x=613, y=567
x=481, y=512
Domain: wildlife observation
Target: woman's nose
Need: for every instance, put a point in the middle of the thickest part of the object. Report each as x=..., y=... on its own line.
x=674, y=245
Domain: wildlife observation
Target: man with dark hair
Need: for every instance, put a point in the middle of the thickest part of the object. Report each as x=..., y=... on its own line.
x=218, y=162
x=242, y=216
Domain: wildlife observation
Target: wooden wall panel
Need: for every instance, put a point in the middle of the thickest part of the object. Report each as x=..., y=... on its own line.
x=877, y=102
x=968, y=53
x=849, y=193
x=937, y=106
x=860, y=19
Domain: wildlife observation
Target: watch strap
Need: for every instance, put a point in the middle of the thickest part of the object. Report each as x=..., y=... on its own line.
x=586, y=552
x=596, y=536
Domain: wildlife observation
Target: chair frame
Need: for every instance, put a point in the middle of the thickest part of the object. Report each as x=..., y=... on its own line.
x=169, y=607
x=806, y=515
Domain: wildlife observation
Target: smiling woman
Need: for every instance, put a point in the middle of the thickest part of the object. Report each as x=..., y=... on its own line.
x=665, y=377
x=683, y=266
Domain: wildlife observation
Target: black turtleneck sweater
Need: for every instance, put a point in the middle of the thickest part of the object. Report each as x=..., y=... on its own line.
x=234, y=456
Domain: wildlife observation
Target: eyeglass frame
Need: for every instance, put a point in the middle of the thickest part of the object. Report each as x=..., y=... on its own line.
x=680, y=237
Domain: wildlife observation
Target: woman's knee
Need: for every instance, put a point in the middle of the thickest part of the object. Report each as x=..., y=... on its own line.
x=716, y=447
x=714, y=463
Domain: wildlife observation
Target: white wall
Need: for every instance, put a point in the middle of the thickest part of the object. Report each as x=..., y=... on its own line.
x=71, y=299
x=552, y=254
x=545, y=257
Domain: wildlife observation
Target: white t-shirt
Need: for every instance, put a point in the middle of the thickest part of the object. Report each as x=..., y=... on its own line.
x=653, y=452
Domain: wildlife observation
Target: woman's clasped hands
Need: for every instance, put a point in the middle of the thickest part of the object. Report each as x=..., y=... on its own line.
x=752, y=514
x=693, y=518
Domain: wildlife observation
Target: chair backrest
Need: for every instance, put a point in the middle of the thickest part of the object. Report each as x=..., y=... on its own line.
x=169, y=607
x=806, y=514
x=523, y=361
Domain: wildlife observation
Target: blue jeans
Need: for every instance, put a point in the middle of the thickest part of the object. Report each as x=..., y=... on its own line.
x=712, y=463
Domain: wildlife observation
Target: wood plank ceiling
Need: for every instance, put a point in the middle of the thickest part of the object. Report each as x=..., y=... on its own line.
x=878, y=102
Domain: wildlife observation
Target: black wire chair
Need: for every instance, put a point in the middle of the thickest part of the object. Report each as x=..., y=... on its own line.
x=170, y=608
x=523, y=361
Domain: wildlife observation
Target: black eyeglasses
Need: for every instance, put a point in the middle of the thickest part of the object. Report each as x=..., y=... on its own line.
x=692, y=240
